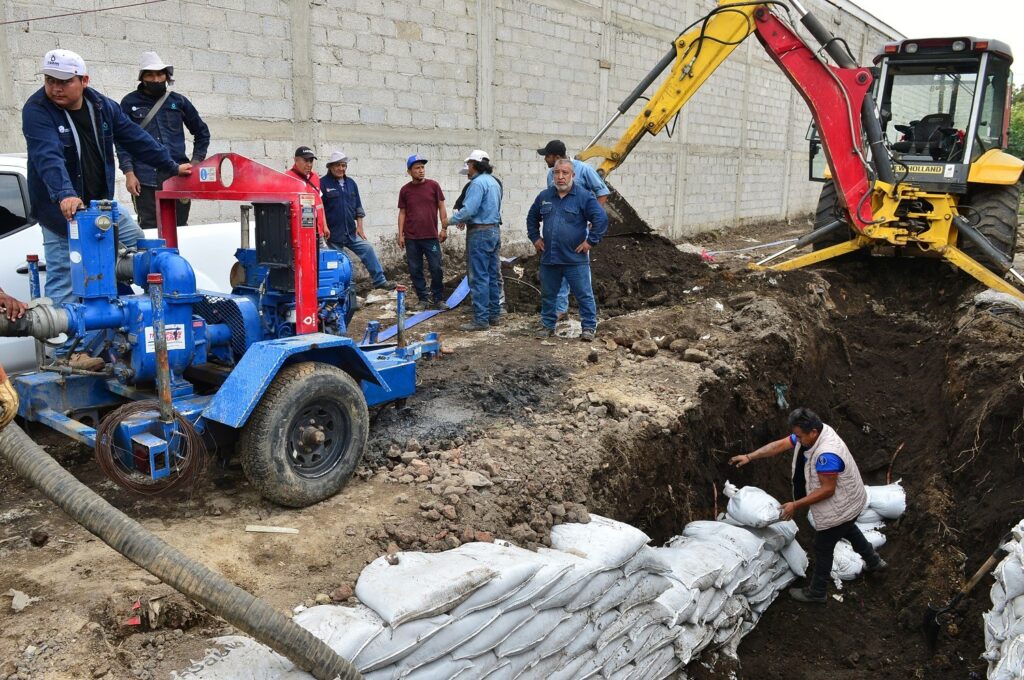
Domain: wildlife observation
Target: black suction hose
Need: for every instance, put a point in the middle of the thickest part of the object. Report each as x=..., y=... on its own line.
x=242, y=610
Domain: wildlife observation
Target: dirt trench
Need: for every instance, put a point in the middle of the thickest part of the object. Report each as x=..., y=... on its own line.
x=924, y=388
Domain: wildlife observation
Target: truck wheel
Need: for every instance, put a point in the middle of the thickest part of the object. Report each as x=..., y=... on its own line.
x=306, y=436
x=994, y=213
x=827, y=211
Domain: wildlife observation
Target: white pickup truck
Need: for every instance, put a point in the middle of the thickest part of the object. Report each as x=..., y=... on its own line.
x=209, y=248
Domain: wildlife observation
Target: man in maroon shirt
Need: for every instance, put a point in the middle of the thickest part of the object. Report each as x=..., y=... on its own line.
x=420, y=203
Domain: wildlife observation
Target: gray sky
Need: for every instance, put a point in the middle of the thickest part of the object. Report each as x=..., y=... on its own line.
x=998, y=19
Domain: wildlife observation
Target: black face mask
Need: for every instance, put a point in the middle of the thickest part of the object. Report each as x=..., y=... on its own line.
x=154, y=89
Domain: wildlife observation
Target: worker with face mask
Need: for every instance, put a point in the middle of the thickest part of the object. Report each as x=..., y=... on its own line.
x=164, y=114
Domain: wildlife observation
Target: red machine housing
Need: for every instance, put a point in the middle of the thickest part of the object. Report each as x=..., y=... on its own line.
x=230, y=177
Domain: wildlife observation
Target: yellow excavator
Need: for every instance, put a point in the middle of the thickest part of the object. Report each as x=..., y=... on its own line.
x=914, y=146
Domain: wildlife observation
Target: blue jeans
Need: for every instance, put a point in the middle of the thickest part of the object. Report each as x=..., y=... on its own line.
x=562, y=304
x=367, y=255
x=57, y=253
x=578, y=278
x=430, y=248
x=482, y=246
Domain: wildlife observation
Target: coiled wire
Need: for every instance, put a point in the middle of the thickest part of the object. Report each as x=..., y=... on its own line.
x=186, y=447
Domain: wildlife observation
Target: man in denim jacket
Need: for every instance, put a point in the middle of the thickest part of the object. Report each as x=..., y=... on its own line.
x=166, y=126
x=565, y=210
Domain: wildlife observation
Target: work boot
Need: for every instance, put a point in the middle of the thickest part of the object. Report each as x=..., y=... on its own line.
x=807, y=595
x=83, y=362
x=587, y=335
x=473, y=326
x=496, y=321
x=544, y=332
x=387, y=285
x=878, y=566
x=440, y=305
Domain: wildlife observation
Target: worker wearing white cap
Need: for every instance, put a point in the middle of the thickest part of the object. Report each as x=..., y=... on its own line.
x=70, y=130
x=164, y=114
x=481, y=213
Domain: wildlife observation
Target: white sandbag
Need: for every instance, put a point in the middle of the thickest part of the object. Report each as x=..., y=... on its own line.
x=572, y=583
x=579, y=667
x=239, y=656
x=713, y=607
x=695, y=568
x=796, y=558
x=647, y=559
x=632, y=623
x=680, y=601
x=889, y=500
x=518, y=665
x=347, y=630
x=412, y=589
x=1010, y=573
x=596, y=588
x=588, y=636
x=1011, y=662
x=875, y=537
x=447, y=640
x=548, y=577
x=868, y=516
x=846, y=563
x=560, y=638
x=751, y=506
x=691, y=641
x=601, y=540
x=647, y=590
x=503, y=671
x=644, y=666
x=745, y=544
x=513, y=567
x=395, y=643
x=544, y=667
x=445, y=667
x=532, y=633
x=776, y=536
x=617, y=593
x=686, y=553
x=493, y=635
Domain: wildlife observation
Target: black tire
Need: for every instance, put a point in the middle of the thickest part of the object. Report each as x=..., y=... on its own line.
x=828, y=210
x=993, y=212
x=282, y=454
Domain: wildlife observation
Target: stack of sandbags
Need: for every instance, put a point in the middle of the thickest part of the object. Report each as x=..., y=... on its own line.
x=599, y=603
x=1004, y=623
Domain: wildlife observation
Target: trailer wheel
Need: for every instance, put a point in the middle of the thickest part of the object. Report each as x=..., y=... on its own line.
x=993, y=212
x=828, y=210
x=306, y=436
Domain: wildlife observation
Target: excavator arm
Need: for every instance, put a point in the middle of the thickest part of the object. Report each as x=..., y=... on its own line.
x=836, y=95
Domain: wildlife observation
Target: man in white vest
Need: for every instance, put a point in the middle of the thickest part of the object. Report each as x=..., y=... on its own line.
x=826, y=480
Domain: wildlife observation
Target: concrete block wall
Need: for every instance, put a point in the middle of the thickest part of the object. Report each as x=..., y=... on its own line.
x=383, y=79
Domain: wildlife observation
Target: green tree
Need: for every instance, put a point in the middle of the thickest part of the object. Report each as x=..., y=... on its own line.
x=1016, y=143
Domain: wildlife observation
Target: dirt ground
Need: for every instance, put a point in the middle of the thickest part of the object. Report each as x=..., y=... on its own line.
x=507, y=435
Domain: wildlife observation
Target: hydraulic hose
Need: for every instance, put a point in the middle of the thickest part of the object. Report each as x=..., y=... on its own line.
x=239, y=608
x=41, y=322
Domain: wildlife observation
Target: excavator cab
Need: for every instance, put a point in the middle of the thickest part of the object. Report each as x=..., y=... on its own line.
x=943, y=103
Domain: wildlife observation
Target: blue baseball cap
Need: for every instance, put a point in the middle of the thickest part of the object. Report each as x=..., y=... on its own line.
x=413, y=160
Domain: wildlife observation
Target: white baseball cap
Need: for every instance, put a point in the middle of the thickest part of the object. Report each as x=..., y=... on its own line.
x=465, y=169
x=337, y=157
x=151, y=61
x=63, y=65
x=478, y=155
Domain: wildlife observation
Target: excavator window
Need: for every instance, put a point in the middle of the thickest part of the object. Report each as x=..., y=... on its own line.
x=992, y=121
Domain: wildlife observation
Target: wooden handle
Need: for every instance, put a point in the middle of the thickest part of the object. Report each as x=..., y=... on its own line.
x=998, y=554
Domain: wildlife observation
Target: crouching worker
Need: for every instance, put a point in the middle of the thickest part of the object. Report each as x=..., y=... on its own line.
x=825, y=480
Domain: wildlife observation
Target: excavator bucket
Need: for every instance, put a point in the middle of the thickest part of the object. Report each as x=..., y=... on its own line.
x=623, y=219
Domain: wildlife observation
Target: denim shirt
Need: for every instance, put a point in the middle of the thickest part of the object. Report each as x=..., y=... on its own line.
x=342, y=205
x=586, y=176
x=54, y=165
x=168, y=128
x=565, y=224
x=483, y=202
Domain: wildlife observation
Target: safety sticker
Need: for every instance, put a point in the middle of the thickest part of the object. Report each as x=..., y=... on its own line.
x=208, y=174
x=175, y=334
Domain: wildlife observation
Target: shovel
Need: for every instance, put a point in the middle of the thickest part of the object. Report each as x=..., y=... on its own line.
x=935, y=618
